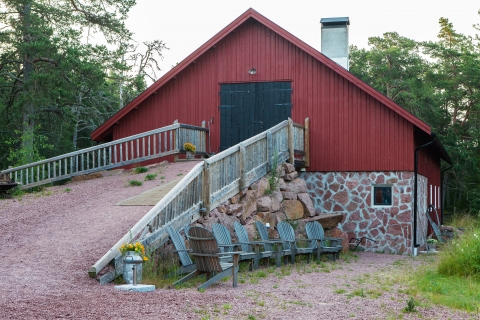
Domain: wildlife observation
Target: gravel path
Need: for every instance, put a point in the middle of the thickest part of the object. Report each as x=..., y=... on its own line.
x=50, y=240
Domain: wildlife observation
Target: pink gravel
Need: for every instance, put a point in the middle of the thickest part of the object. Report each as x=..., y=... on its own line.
x=50, y=240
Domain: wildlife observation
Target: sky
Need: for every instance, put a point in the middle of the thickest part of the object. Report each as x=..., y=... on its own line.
x=185, y=25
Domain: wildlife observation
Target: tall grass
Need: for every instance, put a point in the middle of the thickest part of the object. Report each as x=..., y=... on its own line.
x=461, y=257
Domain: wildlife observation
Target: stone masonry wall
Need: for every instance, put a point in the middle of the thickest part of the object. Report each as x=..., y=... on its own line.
x=350, y=193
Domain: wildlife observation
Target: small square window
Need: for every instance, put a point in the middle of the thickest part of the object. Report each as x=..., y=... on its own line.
x=382, y=195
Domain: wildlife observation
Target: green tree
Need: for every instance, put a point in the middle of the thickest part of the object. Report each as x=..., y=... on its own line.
x=439, y=82
x=63, y=69
x=455, y=74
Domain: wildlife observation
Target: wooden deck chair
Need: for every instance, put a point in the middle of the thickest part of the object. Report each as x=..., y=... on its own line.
x=281, y=250
x=315, y=232
x=187, y=264
x=205, y=250
x=286, y=232
x=242, y=236
x=225, y=244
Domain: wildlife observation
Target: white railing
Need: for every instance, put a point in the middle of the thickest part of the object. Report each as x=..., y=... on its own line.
x=208, y=184
x=140, y=147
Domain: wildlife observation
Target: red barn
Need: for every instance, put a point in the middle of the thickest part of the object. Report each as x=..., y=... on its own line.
x=254, y=74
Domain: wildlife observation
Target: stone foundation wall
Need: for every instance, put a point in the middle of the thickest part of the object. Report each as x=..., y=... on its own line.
x=350, y=193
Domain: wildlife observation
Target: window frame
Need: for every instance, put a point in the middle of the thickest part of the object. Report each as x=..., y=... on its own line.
x=382, y=186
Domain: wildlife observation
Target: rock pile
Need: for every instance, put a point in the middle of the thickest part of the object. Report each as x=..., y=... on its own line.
x=287, y=200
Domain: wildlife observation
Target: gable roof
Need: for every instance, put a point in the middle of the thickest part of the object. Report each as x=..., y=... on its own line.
x=105, y=128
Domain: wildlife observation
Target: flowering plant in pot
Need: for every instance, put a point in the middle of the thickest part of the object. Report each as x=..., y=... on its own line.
x=136, y=247
x=189, y=148
x=134, y=257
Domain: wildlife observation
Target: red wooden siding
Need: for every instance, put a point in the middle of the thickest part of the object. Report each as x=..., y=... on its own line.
x=350, y=130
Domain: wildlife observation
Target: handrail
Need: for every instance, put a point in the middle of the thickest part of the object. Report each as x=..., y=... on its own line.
x=208, y=184
x=133, y=149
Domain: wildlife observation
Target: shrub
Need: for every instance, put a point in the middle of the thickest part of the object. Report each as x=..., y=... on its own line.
x=150, y=176
x=140, y=170
x=135, y=183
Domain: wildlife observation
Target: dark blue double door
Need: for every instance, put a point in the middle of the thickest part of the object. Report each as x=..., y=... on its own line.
x=247, y=109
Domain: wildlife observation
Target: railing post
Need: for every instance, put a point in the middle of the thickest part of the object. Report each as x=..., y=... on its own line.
x=291, y=134
x=269, y=151
x=306, y=142
x=243, y=175
x=206, y=186
x=175, y=141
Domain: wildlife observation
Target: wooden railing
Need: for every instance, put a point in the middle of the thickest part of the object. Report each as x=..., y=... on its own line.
x=207, y=185
x=145, y=146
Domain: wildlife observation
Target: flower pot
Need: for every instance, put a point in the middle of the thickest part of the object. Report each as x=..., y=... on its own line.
x=432, y=246
x=132, y=258
x=190, y=155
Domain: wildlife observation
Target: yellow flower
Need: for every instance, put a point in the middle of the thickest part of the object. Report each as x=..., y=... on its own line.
x=145, y=258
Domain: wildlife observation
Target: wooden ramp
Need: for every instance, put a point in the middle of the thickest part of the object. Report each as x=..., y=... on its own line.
x=210, y=183
x=150, y=197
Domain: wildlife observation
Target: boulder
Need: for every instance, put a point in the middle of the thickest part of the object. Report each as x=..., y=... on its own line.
x=265, y=217
x=277, y=198
x=307, y=203
x=290, y=176
x=234, y=208
x=236, y=198
x=249, y=203
x=297, y=186
x=328, y=221
x=293, y=209
x=337, y=233
x=260, y=186
x=281, y=184
x=289, y=195
x=288, y=167
x=263, y=204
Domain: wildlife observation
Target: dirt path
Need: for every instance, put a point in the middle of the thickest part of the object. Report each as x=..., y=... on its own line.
x=50, y=240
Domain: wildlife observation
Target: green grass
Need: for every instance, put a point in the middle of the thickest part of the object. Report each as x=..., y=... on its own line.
x=461, y=257
x=140, y=170
x=150, y=176
x=135, y=183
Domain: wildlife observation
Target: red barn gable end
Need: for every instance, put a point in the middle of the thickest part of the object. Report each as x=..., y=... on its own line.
x=353, y=128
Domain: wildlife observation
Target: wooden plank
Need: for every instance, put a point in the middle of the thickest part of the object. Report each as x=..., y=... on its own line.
x=206, y=186
x=269, y=150
x=306, y=142
x=290, y=141
x=243, y=175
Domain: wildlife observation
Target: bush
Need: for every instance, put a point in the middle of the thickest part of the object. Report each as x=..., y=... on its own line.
x=150, y=176
x=135, y=183
x=140, y=170
x=461, y=257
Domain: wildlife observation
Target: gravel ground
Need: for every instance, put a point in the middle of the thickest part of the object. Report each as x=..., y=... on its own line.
x=50, y=240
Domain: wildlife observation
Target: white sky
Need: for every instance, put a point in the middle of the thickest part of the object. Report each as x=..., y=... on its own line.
x=184, y=25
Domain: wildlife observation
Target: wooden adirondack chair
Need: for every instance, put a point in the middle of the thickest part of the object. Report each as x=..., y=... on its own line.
x=187, y=264
x=286, y=232
x=207, y=256
x=242, y=236
x=315, y=232
x=225, y=244
x=281, y=250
